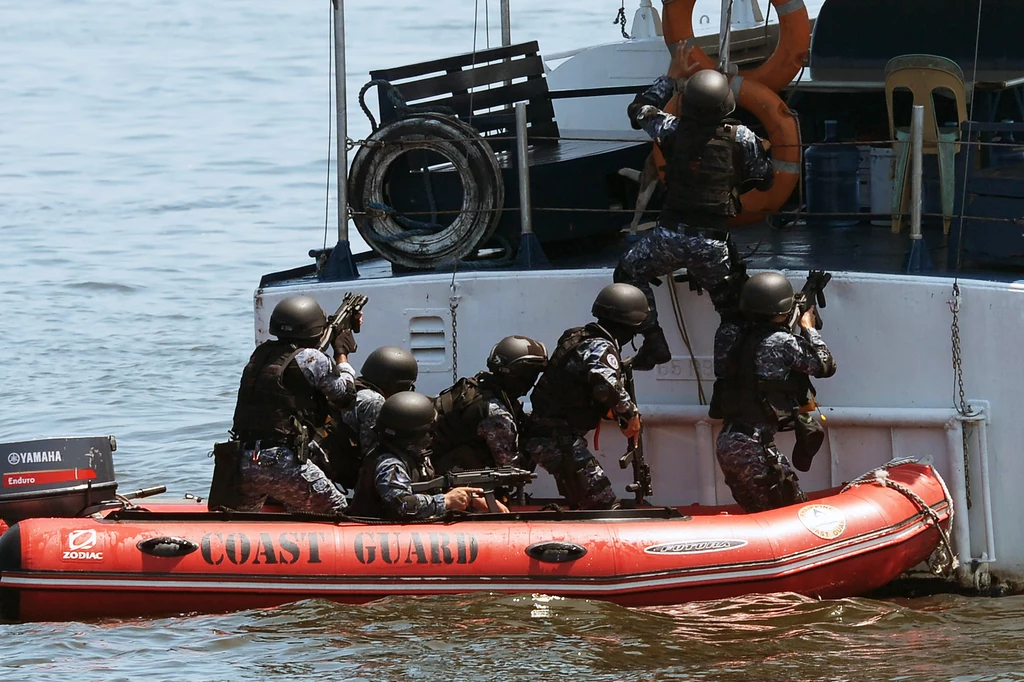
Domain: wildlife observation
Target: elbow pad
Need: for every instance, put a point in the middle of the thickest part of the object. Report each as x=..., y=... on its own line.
x=410, y=505
x=603, y=394
x=828, y=364
x=633, y=110
x=761, y=184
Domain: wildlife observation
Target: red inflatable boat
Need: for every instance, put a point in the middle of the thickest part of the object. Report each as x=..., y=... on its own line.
x=164, y=559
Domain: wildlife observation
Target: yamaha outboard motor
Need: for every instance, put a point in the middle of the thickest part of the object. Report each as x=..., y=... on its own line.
x=55, y=477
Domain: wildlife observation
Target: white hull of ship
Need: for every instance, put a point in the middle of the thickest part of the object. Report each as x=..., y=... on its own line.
x=893, y=397
x=896, y=393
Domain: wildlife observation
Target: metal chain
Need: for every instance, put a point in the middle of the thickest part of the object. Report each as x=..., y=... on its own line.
x=453, y=306
x=960, y=399
x=620, y=20
x=967, y=464
x=958, y=369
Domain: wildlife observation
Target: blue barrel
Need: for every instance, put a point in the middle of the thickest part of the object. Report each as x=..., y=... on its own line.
x=831, y=181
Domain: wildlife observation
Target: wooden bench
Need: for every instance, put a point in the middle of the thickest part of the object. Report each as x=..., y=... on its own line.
x=481, y=88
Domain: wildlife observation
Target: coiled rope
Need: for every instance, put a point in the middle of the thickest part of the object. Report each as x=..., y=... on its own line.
x=944, y=561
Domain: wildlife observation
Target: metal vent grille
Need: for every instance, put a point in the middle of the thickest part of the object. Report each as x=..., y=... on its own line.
x=427, y=340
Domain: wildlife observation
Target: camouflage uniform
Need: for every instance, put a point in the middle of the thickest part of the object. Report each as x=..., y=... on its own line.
x=275, y=470
x=349, y=436
x=299, y=486
x=759, y=476
x=501, y=432
x=564, y=411
x=695, y=240
x=385, y=485
x=362, y=417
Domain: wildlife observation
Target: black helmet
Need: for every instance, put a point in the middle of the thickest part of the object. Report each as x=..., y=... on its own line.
x=517, y=361
x=707, y=96
x=622, y=304
x=298, y=318
x=767, y=294
x=405, y=416
x=391, y=370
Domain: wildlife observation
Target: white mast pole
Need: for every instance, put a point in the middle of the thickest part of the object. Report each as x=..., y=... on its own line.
x=506, y=23
x=341, y=109
x=724, y=33
x=916, y=166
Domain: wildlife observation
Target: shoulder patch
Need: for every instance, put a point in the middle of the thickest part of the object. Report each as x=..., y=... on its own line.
x=610, y=360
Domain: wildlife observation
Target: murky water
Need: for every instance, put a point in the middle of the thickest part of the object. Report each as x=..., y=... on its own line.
x=780, y=637
x=156, y=158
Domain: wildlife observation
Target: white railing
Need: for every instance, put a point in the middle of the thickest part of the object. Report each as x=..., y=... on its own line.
x=873, y=417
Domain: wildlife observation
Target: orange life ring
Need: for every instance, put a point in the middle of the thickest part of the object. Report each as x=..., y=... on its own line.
x=784, y=64
x=784, y=134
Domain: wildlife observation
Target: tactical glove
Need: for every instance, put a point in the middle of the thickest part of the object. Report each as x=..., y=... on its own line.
x=344, y=343
x=631, y=429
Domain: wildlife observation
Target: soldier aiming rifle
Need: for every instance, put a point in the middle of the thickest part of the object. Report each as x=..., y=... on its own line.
x=488, y=481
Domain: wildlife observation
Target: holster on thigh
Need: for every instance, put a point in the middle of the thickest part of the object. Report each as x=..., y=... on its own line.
x=781, y=485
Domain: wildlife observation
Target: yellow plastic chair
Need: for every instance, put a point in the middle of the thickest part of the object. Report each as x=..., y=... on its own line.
x=922, y=75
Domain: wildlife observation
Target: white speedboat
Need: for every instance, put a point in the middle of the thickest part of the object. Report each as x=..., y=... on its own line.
x=927, y=357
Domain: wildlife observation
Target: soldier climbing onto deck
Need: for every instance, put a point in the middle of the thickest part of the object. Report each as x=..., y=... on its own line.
x=286, y=392
x=764, y=390
x=401, y=458
x=581, y=385
x=350, y=435
x=711, y=160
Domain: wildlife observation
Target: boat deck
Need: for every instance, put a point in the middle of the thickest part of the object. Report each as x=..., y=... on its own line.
x=859, y=248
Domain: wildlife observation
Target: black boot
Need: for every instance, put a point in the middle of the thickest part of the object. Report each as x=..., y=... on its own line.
x=654, y=351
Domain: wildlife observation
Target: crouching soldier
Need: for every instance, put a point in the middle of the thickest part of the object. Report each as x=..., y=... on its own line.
x=285, y=394
x=480, y=418
x=581, y=385
x=350, y=435
x=401, y=458
x=765, y=392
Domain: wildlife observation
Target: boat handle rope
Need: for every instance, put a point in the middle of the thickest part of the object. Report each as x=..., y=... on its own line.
x=946, y=560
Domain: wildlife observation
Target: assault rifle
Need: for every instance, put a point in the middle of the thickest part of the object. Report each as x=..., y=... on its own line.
x=344, y=319
x=488, y=479
x=811, y=297
x=641, y=485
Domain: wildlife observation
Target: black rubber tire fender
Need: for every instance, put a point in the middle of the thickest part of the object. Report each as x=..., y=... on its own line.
x=483, y=190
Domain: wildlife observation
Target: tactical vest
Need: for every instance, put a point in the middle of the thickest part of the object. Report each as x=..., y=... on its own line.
x=272, y=391
x=747, y=399
x=460, y=409
x=702, y=178
x=344, y=456
x=366, y=500
x=561, y=395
